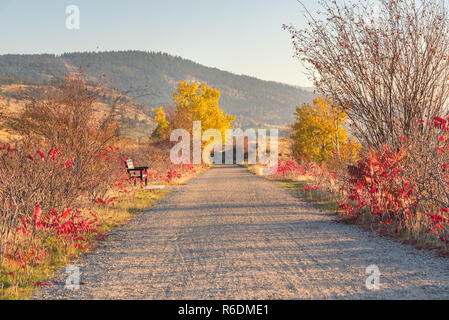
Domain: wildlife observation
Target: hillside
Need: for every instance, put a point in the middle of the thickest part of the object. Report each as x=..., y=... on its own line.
x=152, y=78
x=136, y=120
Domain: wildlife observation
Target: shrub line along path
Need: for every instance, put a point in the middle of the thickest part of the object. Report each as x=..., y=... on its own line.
x=231, y=235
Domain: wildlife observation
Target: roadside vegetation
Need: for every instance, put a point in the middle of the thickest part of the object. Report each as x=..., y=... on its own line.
x=64, y=181
x=377, y=140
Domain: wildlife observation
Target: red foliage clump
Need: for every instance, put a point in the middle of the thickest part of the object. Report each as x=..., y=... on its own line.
x=377, y=186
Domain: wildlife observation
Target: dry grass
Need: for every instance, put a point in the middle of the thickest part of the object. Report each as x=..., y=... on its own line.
x=329, y=202
x=21, y=284
x=285, y=147
x=7, y=137
x=325, y=200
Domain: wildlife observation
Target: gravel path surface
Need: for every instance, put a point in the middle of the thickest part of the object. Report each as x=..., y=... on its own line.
x=231, y=235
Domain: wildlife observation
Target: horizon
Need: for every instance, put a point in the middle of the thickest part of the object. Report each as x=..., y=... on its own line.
x=161, y=52
x=241, y=38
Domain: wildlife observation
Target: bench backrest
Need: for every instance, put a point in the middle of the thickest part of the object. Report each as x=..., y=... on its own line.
x=129, y=164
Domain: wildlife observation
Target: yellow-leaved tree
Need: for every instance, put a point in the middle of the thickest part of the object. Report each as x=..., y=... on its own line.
x=200, y=103
x=162, y=129
x=319, y=134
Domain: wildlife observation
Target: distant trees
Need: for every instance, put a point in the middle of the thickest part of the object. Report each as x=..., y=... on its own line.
x=389, y=73
x=253, y=101
x=29, y=69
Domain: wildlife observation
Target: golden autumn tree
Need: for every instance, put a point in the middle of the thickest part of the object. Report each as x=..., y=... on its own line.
x=162, y=129
x=200, y=103
x=319, y=132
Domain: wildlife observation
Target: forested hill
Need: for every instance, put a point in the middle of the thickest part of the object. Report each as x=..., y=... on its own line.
x=254, y=101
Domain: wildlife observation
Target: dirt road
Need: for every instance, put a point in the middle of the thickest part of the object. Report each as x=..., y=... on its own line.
x=231, y=235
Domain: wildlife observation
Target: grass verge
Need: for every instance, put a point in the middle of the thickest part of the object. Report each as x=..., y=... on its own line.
x=329, y=202
x=324, y=200
x=19, y=283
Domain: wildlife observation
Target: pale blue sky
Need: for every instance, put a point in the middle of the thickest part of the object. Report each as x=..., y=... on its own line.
x=244, y=37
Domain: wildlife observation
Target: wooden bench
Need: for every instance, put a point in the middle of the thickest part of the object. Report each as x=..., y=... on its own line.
x=136, y=172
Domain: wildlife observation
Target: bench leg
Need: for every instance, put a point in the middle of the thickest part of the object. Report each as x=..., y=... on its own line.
x=141, y=178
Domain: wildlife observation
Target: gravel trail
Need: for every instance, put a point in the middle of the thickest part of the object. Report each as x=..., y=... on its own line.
x=231, y=235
